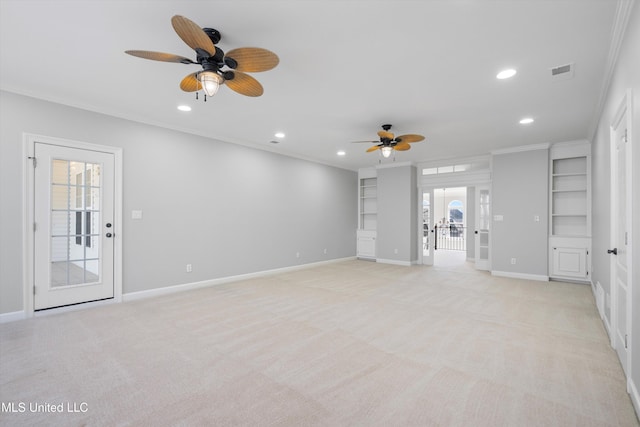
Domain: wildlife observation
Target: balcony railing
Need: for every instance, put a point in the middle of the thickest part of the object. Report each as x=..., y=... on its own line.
x=452, y=237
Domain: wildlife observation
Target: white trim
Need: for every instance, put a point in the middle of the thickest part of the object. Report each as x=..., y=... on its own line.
x=537, y=277
x=394, y=262
x=623, y=12
x=28, y=147
x=607, y=327
x=456, y=179
x=633, y=392
x=522, y=148
x=13, y=316
x=150, y=293
x=394, y=165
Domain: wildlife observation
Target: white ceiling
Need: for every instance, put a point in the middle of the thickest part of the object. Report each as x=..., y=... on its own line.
x=346, y=67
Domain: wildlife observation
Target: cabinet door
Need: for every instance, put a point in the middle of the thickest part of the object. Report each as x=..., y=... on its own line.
x=570, y=262
x=366, y=247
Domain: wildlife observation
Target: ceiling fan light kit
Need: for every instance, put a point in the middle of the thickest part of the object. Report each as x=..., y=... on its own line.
x=389, y=143
x=217, y=68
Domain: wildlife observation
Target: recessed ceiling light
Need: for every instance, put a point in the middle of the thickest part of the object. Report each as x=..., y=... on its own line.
x=184, y=108
x=526, y=121
x=341, y=153
x=505, y=74
x=279, y=135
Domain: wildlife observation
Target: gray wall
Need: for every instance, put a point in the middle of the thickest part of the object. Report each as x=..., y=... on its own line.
x=397, y=214
x=225, y=209
x=626, y=76
x=520, y=192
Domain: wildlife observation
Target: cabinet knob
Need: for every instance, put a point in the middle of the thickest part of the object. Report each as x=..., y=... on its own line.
x=613, y=251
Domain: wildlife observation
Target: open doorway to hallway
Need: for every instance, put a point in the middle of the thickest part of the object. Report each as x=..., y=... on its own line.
x=445, y=226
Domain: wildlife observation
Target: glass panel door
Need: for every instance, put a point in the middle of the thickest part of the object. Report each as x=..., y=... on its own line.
x=426, y=232
x=74, y=233
x=483, y=222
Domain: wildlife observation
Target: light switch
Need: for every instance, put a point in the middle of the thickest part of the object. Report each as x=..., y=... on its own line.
x=536, y=218
x=498, y=218
x=136, y=214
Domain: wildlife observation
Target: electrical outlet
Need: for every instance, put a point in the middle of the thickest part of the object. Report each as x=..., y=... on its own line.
x=297, y=254
x=395, y=251
x=325, y=250
x=189, y=268
x=513, y=261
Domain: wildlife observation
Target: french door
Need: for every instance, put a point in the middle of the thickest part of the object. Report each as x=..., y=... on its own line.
x=74, y=230
x=427, y=234
x=483, y=223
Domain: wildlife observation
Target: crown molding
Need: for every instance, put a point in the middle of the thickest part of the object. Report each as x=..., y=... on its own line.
x=621, y=19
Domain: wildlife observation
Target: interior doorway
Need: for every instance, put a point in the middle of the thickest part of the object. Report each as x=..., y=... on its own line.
x=444, y=226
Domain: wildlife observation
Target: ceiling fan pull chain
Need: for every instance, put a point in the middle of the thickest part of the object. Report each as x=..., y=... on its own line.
x=205, y=97
x=196, y=96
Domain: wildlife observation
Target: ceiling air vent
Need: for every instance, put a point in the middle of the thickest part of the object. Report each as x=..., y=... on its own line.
x=563, y=72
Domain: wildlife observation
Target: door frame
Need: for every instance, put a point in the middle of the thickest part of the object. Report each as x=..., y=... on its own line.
x=623, y=112
x=462, y=179
x=421, y=258
x=28, y=191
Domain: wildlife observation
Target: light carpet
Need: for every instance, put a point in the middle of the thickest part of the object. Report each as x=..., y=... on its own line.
x=352, y=343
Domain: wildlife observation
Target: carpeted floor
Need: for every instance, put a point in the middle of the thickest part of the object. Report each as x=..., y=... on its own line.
x=352, y=343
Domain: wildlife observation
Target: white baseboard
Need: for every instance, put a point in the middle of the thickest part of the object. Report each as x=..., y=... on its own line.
x=394, y=262
x=635, y=396
x=607, y=328
x=13, y=316
x=133, y=296
x=537, y=277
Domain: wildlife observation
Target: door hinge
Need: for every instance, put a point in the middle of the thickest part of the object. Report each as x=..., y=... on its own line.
x=34, y=290
x=35, y=226
x=625, y=340
x=34, y=160
x=625, y=136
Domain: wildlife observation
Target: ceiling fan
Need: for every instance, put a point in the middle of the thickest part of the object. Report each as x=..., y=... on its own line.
x=217, y=67
x=388, y=142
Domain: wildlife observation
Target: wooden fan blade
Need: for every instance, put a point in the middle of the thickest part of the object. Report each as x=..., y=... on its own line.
x=192, y=35
x=370, y=142
x=159, y=56
x=190, y=83
x=384, y=134
x=253, y=59
x=402, y=146
x=374, y=148
x=410, y=138
x=245, y=84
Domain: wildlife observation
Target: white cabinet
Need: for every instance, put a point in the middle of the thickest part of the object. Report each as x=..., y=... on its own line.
x=570, y=262
x=570, y=210
x=366, y=246
x=367, y=213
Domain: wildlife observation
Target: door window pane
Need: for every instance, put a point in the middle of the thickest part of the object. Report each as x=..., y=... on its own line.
x=75, y=222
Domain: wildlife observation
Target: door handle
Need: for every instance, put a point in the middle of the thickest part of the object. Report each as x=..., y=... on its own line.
x=475, y=232
x=613, y=251
x=109, y=234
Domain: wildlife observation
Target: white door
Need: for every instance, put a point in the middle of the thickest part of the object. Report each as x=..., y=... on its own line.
x=74, y=225
x=483, y=222
x=620, y=234
x=426, y=230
